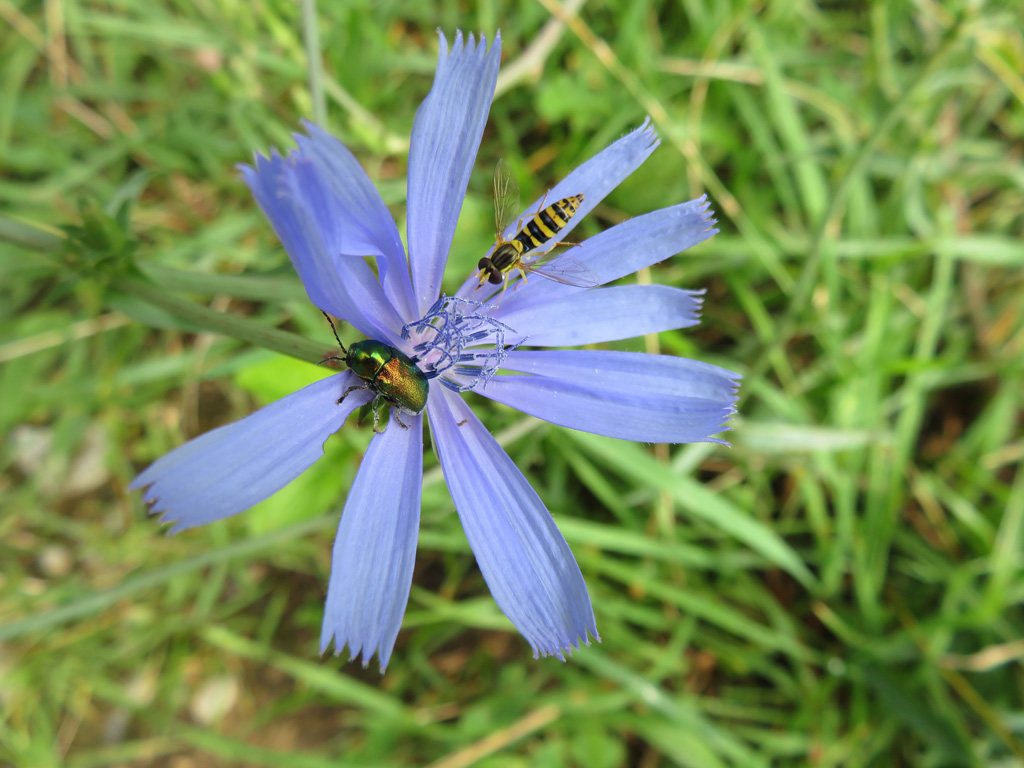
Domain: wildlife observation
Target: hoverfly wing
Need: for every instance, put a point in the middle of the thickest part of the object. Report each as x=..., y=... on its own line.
x=564, y=269
x=506, y=198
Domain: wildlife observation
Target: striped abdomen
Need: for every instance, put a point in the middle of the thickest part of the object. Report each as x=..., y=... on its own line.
x=547, y=223
x=538, y=230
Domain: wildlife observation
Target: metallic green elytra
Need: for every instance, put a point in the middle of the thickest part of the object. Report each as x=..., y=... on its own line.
x=391, y=374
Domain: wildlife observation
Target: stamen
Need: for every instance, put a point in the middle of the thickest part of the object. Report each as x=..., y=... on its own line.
x=450, y=326
x=451, y=385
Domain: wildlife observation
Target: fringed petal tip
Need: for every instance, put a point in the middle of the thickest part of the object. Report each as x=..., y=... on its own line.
x=262, y=164
x=697, y=296
x=140, y=483
x=459, y=45
x=567, y=648
x=146, y=483
x=650, y=132
x=363, y=654
x=729, y=412
x=732, y=397
x=164, y=515
x=704, y=207
x=273, y=159
x=313, y=131
x=724, y=427
x=315, y=140
x=152, y=502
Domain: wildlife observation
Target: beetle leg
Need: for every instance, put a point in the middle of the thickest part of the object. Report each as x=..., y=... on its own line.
x=353, y=388
x=376, y=415
x=394, y=415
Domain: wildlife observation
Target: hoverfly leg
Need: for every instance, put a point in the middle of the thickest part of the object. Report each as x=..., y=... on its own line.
x=522, y=274
x=527, y=217
x=519, y=224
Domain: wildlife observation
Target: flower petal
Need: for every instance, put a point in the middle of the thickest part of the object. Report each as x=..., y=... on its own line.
x=359, y=217
x=595, y=178
x=311, y=224
x=628, y=395
x=375, y=549
x=229, y=469
x=445, y=139
x=603, y=314
x=599, y=175
x=622, y=250
x=524, y=559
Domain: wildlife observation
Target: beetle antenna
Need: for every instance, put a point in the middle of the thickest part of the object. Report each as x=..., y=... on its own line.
x=335, y=332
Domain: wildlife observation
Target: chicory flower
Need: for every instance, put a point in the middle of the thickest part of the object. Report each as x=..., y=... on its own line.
x=333, y=223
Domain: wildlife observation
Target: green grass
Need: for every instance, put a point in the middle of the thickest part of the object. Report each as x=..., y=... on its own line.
x=842, y=586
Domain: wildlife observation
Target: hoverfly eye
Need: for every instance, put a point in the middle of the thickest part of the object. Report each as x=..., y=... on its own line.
x=483, y=264
x=495, y=278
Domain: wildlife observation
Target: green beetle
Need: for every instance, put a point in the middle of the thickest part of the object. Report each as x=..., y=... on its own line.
x=389, y=373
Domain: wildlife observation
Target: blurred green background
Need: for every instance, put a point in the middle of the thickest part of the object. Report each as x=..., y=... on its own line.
x=842, y=586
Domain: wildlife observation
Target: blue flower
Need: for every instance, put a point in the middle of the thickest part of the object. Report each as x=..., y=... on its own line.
x=330, y=219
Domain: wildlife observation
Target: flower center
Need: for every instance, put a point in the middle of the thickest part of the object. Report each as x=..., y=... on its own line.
x=444, y=335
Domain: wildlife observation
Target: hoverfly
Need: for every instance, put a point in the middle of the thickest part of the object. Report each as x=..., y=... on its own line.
x=545, y=224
